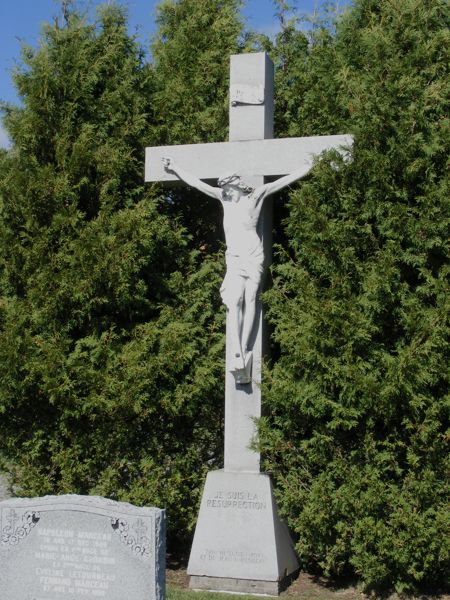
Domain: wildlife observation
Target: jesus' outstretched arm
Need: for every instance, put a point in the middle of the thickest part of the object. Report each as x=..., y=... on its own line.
x=279, y=184
x=191, y=180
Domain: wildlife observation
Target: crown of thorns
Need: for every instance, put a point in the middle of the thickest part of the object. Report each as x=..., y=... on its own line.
x=229, y=178
x=236, y=179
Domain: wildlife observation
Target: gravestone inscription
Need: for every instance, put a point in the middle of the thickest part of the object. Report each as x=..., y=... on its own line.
x=75, y=547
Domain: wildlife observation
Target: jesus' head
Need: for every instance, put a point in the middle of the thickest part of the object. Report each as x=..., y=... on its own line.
x=233, y=186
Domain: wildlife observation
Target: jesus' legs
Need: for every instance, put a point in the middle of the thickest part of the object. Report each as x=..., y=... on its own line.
x=251, y=289
x=235, y=300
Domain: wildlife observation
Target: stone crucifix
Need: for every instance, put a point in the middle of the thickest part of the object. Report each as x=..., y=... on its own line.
x=240, y=168
x=240, y=543
x=241, y=205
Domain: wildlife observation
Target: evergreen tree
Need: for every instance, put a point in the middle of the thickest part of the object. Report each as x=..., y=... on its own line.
x=357, y=402
x=110, y=333
x=307, y=80
x=111, y=329
x=191, y=53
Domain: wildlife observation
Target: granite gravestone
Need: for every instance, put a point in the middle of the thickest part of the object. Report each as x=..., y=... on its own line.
x=75, y=547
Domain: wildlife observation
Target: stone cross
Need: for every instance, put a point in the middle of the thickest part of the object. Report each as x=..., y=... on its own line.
x=13, y=519
x=141, y=530
x=253, y=151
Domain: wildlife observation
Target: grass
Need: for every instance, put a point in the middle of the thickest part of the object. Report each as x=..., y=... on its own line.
x=306, y=587
x=174, y=593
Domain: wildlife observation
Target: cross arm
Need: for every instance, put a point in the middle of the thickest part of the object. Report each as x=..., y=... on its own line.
x=270, y=157
x=282, y=182
x=191, y=180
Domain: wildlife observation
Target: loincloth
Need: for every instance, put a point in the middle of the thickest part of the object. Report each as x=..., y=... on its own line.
x=251, y=267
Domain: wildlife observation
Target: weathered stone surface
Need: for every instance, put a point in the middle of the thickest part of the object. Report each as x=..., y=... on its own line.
x=73, y=547
x=239, y=535
x=251, y=97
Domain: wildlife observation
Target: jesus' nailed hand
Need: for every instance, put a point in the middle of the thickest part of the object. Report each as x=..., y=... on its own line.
x=242, y=206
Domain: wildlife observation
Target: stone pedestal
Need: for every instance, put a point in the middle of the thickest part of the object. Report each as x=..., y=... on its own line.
x=240, y=544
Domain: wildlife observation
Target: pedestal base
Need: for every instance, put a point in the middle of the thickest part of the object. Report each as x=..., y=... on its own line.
x=241, y=586
x=240, y=544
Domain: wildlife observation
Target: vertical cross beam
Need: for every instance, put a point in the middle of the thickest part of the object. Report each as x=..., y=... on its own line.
x=251, y=118
x=251, y=97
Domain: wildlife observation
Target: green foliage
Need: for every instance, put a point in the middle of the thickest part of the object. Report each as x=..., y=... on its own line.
x=111, y=332
x=111, y=337
x=307, y=78
x=191, y=53
x=358, y=400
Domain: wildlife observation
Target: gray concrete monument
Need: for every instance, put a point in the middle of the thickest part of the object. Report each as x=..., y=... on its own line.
x=75, y=547
x=240, y=544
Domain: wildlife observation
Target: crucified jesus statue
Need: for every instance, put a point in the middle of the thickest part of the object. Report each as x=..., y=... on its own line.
x=242, y=206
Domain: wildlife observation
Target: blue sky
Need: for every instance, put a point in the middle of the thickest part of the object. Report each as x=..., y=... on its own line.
x=21, y=20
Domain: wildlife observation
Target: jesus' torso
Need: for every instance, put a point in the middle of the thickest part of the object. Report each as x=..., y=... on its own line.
x=240, y=221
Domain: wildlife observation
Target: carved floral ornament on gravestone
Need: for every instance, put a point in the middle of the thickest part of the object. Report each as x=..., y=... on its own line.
x=18, y=526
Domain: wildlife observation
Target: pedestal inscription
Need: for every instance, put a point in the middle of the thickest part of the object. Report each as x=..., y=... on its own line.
x=236, y=500
x=240, y=532
x=77, y=547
